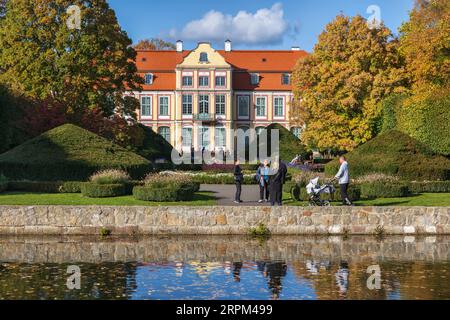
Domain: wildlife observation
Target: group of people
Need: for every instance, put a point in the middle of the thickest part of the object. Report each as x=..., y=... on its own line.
x=269, y=178
x=272, y=178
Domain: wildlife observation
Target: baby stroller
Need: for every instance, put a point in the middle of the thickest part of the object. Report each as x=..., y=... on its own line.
x=315, y=190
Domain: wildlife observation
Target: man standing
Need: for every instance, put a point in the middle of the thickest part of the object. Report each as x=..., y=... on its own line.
x=276, y=182
x=238, y=179
x=344, y=180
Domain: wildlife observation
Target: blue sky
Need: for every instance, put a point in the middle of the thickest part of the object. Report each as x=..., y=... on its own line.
x=268, y=24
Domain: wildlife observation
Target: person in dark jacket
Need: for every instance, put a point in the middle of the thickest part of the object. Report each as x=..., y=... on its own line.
x=239, y=179
x=276, y=182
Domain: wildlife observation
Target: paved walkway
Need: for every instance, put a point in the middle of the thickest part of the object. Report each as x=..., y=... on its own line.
x=225, y=194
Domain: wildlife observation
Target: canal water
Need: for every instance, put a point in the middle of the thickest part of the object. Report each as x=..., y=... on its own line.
x=221, y=268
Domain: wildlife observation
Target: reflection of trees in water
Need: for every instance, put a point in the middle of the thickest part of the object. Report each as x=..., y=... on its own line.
x=48, y=281
x=408, y=280
x=274, y=272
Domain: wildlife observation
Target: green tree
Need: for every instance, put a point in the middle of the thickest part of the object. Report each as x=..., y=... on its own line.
x=82, y=69
x=339, y=86
x=154, y=44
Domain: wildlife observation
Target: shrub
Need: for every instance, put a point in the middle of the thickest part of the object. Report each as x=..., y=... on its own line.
x=430, y=187
x=376, y=177
x=35, y=186
x=3, y=183
x=384, y=190
x=260, y=231
x=69, y=153
x=166, y=188
x=110, y=177
x=395, y=153
x=94, y=190
x=71, y=187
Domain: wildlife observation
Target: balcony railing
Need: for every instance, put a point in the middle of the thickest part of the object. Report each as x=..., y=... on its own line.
x=205, y=117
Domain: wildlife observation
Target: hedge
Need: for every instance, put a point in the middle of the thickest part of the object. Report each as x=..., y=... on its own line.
x=170, y=193
x=93, y=190
x=69, y=153
x=384, y=190
x=395, y=153
x=430, y=187
x=35, y=186
x=71, y=187
x=3, y=186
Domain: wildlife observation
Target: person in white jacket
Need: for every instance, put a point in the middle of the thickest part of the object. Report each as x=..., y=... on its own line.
x=344, y=180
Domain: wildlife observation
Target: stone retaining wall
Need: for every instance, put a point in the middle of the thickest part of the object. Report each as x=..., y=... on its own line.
x=89, y=220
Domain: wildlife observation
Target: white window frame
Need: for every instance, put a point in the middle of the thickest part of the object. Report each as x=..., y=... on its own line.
x=185, y=76
x=150, y=99
x=283, y=99
x=184, y=144
x=257, y=107
x=187, y=105
x=168, y=132
x=254, y=79
x=220, y=138
x=200, y=78
x=289, y=77
x=239, y=109
x=202, y=56
x=201, y=100
x=160, y=114
x=148, y=79
x=222, y=84
x=222, y=105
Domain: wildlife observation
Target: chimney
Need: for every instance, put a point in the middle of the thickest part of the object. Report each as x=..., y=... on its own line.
x=179, y=46
x=295, y=48
x=228, y=46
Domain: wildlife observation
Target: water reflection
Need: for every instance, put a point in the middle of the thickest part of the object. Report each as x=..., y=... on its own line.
x=225, y=268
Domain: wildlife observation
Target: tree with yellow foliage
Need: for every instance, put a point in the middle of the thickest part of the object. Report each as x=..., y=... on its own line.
x=339, y=86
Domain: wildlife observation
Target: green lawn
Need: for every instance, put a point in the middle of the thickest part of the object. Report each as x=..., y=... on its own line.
x=425, y=199
x=29, y=199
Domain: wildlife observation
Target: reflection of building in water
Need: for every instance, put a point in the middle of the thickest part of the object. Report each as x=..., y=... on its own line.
x=342, y=279
x=274, y=271
x=314, y=267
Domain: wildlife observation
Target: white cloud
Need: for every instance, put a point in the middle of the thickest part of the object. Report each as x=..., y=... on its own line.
x=265, y=26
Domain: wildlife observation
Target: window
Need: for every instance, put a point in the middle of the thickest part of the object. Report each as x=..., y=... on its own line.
x=243, y=106
x=163, y=106
x=221, y=137
x=286, y=79
x=187, y=104
x=279, y=107
x=146, y=106
x=203, y=81
x=148, y=78
x=220, y=104
x=187, y=81
x=296, y=131
x=204, y=137
x=220, y=81
x=204, y=57
x=165, y=133
x=203, y=103
x=254, y=78
x=260, y=106
x=187, y=137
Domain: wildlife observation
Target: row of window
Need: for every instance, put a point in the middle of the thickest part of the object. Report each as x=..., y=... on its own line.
x=220, y=80
x=220, y=105
x=204, y=135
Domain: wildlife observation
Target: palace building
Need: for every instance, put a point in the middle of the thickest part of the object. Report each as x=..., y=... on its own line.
x=193, y=98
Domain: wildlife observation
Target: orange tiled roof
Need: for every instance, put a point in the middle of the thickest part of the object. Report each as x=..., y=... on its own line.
x=269, y=64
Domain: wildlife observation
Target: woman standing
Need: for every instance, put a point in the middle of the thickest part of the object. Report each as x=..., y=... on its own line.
x=262, y=176
x=238, y=179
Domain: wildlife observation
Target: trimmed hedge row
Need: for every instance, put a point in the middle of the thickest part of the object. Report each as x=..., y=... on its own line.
x=430, y=187
x=170, y=193
x=3, y=186
x=94, y=190
x=35, y=186
x=384, y=190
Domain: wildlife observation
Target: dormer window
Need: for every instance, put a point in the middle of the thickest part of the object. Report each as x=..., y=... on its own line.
x=254, y=78
x=286, y=79
x=204, y=57
x=148, y=78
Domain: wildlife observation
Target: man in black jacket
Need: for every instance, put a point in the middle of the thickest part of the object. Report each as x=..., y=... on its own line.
x=238, y=179
x=276, y=182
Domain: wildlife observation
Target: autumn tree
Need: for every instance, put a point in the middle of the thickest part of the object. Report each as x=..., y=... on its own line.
x=425, y=44
x=154, y=44
x=82, y=69
x=339, y=86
